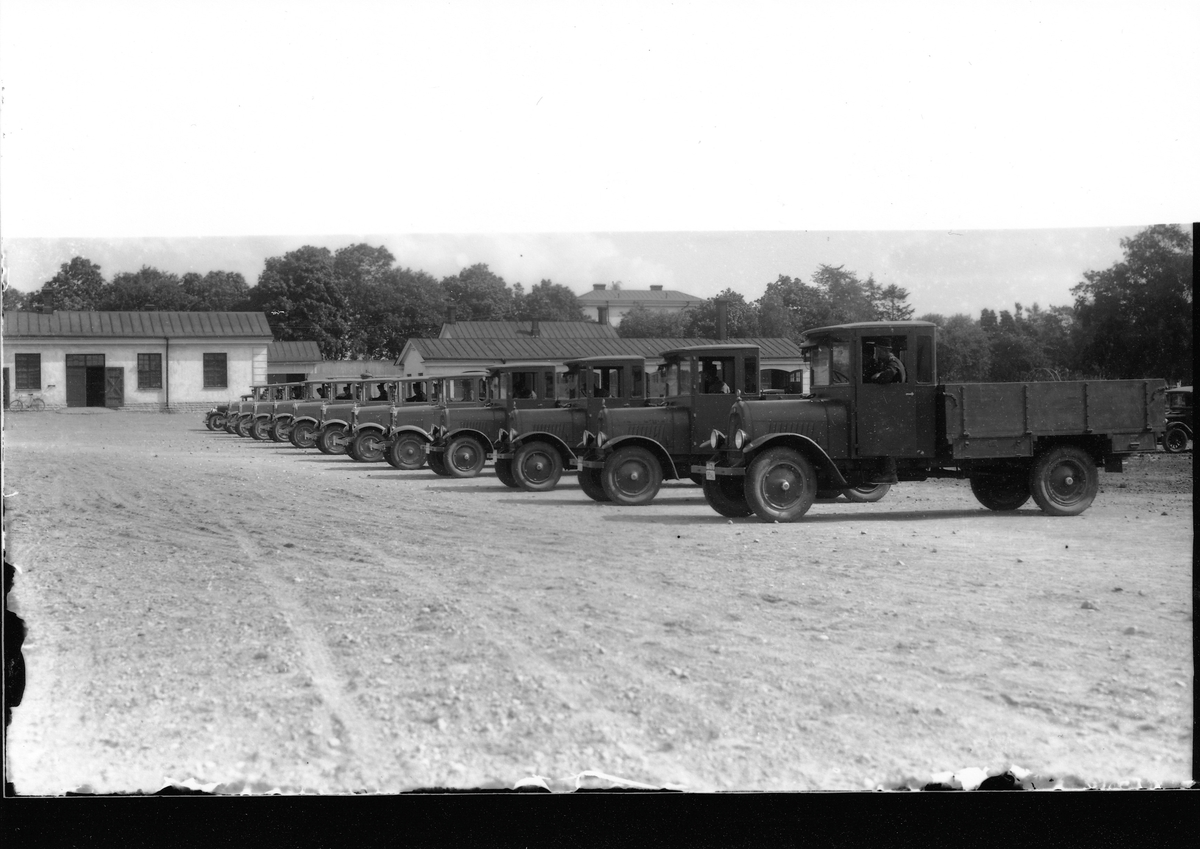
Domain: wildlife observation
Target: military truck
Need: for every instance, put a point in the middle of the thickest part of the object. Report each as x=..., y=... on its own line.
x=538, y=444
x=333, y=426
x=262, y=417
x=214, y=419
x=306, y=415
x=400, y=432
x=863, y=425
x=1179, y=419
x=636, y=448
x=280, y=425
x=465, y=437
x=241, y=414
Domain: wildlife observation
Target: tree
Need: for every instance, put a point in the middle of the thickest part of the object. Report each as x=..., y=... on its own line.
x=548, y=302
x=145, y=289
x=849, y=298
x=741, y=318
x=963, y=349
x=789, y=306
x=76, y=286
x=890, y=304
x=359, y=272
x=15, y=300
x=216, y=291
x=479, y=295
x=301, y=298
x=1135, y=318
x=642, y=322
x=409, y=303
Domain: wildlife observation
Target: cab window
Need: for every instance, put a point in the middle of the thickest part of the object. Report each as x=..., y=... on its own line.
x=717, y=375
x=831, y=363
x=639, y=382
x=676, y=377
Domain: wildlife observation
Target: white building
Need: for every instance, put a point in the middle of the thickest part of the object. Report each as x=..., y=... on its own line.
x=609, y=306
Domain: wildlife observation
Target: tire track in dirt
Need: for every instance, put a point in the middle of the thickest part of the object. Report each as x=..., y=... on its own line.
x=346, y=733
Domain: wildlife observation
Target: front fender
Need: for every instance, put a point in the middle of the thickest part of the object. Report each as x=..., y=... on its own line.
x=396, y=431
x=651, y=445
x=447, y=438
x=565, y=451
x=806, y=446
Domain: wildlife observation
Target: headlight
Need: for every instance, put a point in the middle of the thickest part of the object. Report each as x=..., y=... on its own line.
x=716, y=439
x=601, y=439
x=739, y=439
x=588, y=439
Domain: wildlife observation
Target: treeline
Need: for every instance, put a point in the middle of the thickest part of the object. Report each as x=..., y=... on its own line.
x=1131, y=320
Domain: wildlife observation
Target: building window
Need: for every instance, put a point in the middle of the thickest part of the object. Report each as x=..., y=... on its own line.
x=149, y=371
x=29, y=371
x=215, y=372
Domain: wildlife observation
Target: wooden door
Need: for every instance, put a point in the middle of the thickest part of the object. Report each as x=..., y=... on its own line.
x=114, y=387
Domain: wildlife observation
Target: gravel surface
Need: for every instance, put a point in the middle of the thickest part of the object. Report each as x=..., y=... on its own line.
x=246, y=615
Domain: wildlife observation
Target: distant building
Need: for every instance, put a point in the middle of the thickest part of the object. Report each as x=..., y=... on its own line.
x=134, y=360
x=291, y=362
x=609, y=306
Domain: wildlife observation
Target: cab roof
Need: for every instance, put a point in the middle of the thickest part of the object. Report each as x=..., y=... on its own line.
x=588, y=361
x=894, y=326
x=533, y=366
x=709, y=349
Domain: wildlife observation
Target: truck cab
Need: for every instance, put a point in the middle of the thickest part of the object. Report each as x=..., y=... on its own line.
x=466, y=435
x=306, y=414
x=539, y=443
x=241, y=415
x=637, y=447
x=1179, y=419
x=333, y=426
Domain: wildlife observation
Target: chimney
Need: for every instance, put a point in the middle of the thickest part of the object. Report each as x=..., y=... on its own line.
x=598, y=287
x=602, y=315
x=722, y=320
x=655, y=288
x=535, y=329
x=450, y=314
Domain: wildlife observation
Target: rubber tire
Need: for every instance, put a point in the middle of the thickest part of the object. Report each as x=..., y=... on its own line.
x=210, y=421
x=592, y=485
x=407, y=452
x=781, y=485
x=727, y=495
x=1175, y=440
x=242, y=428
x=228, y=426
x=332, y=440
x=304, y=435
x=436, y=460
x=537, y=466
x=868, y=494
x=1064, y=481
x=505, y=473
x=369, y=446
x=631, y=476
x=465, y=457
x=281, y=429
x=260, y=429
x=1001, y=492
x=37, y=405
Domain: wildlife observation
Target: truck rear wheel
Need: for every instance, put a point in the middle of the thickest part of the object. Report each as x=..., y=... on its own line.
x=406, y=452
x=368, y=447
x=592, y=485
x=631, y=476
x=281, y=430
x=780, y=485
x=332, y=440
x=868, y=494
x=537, y=467
x=1176, y=440
x=727, y=495
x=465, y=457
x=1001, y=492
x=304, y=434
x=504, y=471
x=1064, y=481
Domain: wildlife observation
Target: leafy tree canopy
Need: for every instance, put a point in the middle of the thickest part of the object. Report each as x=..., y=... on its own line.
x=76, y=286
x=549, y=301
x=641, y=322
x=300, y=296
x=479, y=295
x=216, y=291
x=145, y=289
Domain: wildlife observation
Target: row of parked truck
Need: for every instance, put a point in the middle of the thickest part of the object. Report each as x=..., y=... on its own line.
x=704, y=416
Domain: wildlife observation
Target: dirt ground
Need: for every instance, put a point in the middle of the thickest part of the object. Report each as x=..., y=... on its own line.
x=242, y=614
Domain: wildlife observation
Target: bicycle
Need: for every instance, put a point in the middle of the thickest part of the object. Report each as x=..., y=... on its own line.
x=31, y=402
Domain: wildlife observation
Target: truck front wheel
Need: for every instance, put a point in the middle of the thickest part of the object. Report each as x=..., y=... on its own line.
x=504, y=471
x=727, y=495
x=437, y=463
x=537, y=467
x=1001, y=492
x=304, y=435
x=592, y=484
x=368, y=447
x=1176, y=440
x=1064, y=481
x=631, y=476
x=780, y=485
x=464, y=457
x=261, y=429
x=406, y=452
x=332, y=440
x=281, y=430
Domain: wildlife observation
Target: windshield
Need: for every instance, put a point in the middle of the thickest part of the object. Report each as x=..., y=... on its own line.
x=676, y=377
x=1179, y=400
x=831, y=362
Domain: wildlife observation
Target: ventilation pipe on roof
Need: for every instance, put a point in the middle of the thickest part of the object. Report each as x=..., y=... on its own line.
x=450, y=314
x=599, y=287
x=655, y=287
x=722, y=320
x=602, y=315
x=535, y=329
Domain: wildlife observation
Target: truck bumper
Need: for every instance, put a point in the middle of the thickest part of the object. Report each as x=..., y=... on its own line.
x=712, y=469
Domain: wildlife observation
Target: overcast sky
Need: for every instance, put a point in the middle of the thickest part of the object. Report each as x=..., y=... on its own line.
x=977, y=155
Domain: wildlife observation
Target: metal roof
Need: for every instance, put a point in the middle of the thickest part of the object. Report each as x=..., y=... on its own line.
x=119, y=324
x=524, y=330
x=611, y=295
x=490, y=350
x=294, y=352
